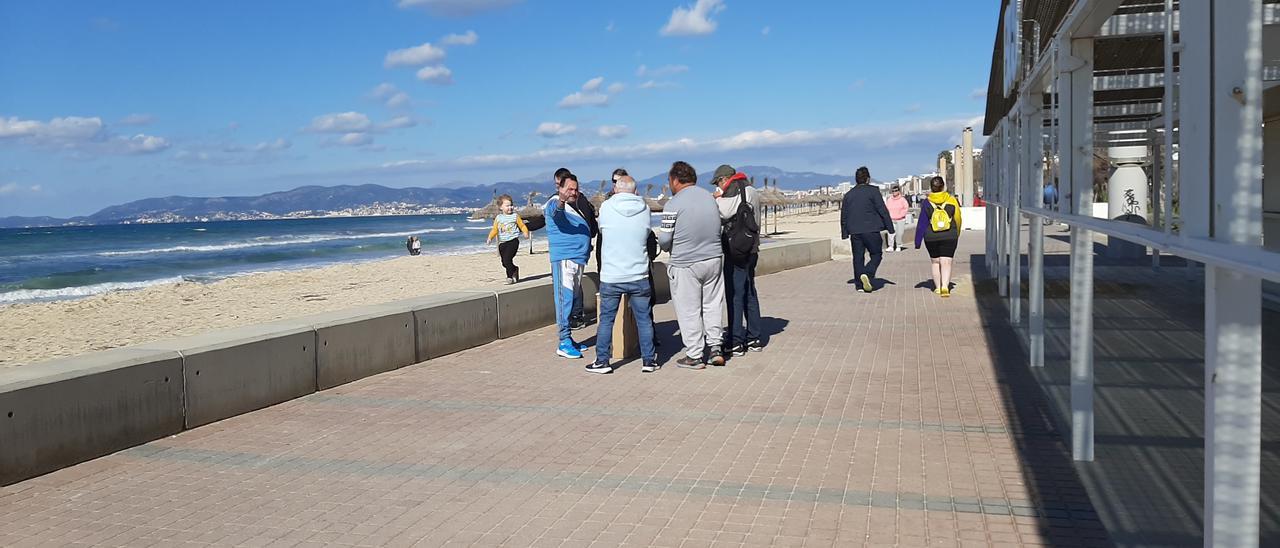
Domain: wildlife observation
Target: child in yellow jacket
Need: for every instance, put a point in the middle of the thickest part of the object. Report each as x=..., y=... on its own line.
x=507, y=227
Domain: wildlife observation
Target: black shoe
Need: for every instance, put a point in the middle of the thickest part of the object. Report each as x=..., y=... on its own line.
x=649, y=368
x=716, y=359
x=576, y=324
x=690, y=363
x=599, y=368
x=754, y=345
x=740, y=350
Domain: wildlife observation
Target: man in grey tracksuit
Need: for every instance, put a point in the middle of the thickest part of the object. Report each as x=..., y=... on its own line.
x=690, y=231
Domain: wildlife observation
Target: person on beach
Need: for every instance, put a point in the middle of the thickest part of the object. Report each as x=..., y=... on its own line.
x=690, y=231
x=939, y=229
x=417, y=246
x=625, y=271
x=408, y=244
x=739, y=206
x=862, y=217
x=507, y=227
x=899, y=209
x=569, y=246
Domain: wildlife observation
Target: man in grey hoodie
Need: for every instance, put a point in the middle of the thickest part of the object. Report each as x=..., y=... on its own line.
x=691, y=233
x=624, y=270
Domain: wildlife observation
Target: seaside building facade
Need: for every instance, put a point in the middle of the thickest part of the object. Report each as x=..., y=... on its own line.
x=1172, y=108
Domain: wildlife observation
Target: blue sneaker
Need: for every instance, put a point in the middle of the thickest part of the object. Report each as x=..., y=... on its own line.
x=582, y=347
x=568, y=350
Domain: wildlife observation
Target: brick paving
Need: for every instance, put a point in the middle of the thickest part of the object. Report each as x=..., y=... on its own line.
x=869, y=420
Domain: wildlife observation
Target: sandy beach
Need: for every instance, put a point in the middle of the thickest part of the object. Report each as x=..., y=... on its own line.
x=35, y=332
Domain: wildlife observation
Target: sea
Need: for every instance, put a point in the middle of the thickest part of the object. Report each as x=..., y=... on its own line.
x=48, y=264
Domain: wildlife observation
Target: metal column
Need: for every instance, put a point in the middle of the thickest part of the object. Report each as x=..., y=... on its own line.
x=1233, y=310
x=1080, y=110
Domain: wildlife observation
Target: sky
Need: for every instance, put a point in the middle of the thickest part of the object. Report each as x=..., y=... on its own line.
x=107, y=102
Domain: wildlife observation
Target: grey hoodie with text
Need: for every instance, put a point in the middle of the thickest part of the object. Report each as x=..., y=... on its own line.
x=690, y=227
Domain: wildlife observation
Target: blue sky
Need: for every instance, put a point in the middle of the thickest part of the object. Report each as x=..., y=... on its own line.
x=106, y=102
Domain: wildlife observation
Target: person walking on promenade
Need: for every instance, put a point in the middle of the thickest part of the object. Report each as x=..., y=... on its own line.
x=569, y=245
x=739, y=204
x=690, y=231
x=624, y=217
x=899, y=210
x=939, y=229
x=1050, y=198
x=862, y=217
x=507, y=227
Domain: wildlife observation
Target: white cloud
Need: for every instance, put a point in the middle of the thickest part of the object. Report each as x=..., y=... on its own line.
x=413, y=57
x=932, y=133
x=858, y=84
x=137, y=120
x=391, y=96
x=765, y=31
x=456, y=8
x=143, y=144
x=593, y=84
x=978, y=93
x=657, y=84
x=15, y=188
x=267, y=146
x=555, y=129
x=613, y=132
x=693, y=20
x=616, y=88
x=354, y=139
x=438, y=74
x=665, y=70
x=913, y=107
x=609, y=27
x=399, y=122
x=580, y=99
x=79, y=134
x=342, y=122
x=468, y=39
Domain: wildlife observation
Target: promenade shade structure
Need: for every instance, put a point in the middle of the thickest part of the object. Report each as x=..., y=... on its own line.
x=1079, y=87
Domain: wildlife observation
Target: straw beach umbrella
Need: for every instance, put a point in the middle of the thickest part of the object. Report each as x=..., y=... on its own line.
x=489, y=211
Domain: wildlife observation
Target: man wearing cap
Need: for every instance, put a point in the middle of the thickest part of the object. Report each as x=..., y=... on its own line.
x=731, y=189
x=898, y=208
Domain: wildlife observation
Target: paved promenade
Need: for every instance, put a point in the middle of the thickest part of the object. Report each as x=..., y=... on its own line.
x=870, y=419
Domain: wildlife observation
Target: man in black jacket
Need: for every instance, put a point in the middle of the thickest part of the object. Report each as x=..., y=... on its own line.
x=862, y=216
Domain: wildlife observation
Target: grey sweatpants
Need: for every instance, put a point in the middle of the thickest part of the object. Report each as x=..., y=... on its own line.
x=697, y=291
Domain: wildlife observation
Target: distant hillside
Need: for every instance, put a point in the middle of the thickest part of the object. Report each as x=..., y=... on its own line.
x=787, y=180
x=321, y=199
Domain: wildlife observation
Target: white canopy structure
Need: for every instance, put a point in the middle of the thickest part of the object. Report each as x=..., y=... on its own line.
x=1182, y=87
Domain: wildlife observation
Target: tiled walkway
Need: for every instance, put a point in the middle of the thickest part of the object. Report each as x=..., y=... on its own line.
x=869, y=419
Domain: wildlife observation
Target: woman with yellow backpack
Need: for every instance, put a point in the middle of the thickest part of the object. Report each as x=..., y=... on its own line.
x=939, y=229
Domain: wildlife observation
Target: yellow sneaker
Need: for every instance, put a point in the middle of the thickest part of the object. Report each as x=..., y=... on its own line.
x=937, y=291
x=944, y=292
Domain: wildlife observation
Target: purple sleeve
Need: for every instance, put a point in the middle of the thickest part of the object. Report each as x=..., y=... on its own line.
x=923, y=224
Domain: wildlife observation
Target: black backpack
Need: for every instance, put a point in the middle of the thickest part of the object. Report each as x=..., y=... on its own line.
x=742, y=233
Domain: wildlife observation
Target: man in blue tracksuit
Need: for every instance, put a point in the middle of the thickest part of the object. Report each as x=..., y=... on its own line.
x=569, y=240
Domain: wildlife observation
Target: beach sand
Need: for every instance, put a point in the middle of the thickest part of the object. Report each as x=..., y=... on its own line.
x=34, y=332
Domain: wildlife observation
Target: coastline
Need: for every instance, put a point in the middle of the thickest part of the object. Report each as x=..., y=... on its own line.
x=39, y=331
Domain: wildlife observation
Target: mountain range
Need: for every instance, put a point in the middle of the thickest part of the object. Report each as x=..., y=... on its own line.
x=321, y=199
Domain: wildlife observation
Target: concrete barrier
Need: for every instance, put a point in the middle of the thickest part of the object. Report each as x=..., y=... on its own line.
x=356, y=343
x=787, y=254
x=525, y=307
x=449, y=322
x=234, y=371
x=70, y=410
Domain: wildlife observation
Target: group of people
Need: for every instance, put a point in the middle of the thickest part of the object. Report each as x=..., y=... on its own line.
x=864, y=214
x=711, y=236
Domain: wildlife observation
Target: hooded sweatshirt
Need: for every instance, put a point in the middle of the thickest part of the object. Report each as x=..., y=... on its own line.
x=568, y=234
x=624, y=226
x=923, y=230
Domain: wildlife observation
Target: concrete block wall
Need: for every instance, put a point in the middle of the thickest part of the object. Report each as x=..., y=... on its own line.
x=67, y=411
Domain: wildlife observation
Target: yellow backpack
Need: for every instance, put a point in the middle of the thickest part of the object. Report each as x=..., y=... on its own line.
x=940, y=220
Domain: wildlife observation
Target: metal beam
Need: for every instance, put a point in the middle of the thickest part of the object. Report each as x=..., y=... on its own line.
x=1081, y=157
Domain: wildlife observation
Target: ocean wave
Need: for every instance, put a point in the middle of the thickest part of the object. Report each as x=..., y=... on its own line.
x=475, y=228
x=25, y=295
x=267, y=241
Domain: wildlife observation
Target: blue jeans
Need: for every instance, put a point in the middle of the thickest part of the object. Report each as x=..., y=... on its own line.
x=641, y=309
x=869, y=243
x=740, y=294
x=566, y=279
